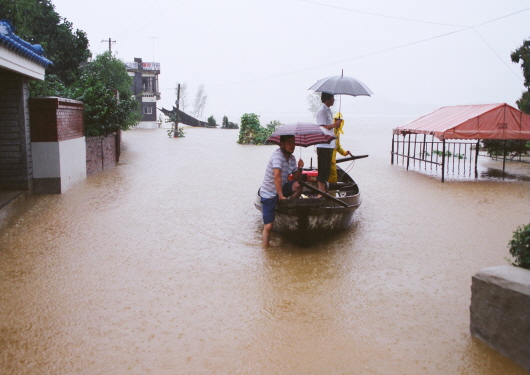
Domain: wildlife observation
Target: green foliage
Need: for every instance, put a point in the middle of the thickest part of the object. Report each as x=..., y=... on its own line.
x=37, y=22
x=171, y=119
x=522, y=55
x=105, y=89
x=252, y=133
x=272, y=126
x=211, y=121
x=495, y=147
x=519, y=246
x=447, y=154
x=103, y=84
x=51, y=86
x=228, y=124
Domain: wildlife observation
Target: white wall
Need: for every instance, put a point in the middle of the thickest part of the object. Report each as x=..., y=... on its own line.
x=65, y=160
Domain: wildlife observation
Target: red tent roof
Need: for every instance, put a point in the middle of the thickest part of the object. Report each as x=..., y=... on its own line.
x=485, y=121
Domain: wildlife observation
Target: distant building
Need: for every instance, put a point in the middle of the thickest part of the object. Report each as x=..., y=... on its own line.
x=145, y=88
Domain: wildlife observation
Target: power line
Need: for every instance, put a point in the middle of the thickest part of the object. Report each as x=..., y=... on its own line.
x=379, y=51
x=138, y=20
x=150, y=22
x=382, y=15
x=496, y=54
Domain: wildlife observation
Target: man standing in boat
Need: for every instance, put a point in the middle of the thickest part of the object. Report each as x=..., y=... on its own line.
x=275, y=186
x=325, y=150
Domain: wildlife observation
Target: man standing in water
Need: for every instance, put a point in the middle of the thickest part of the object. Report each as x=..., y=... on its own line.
x=275, y=186
x=325, y=150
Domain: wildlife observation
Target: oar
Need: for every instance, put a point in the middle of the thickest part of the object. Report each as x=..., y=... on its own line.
x=326, y=195
x=351, y=158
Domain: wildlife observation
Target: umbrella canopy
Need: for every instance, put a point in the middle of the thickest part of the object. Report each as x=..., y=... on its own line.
x=341, y=85
x=305, y=134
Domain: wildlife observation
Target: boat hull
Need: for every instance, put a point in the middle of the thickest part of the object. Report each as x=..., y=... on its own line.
x=306, y=221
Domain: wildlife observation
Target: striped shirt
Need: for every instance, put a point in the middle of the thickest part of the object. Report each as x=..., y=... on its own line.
x=277, y=161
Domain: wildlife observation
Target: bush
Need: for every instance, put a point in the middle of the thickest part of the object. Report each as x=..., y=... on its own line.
x=519, y=246
x=228, y=124
x=252, y=133
x=495, y=147
x=211, y=121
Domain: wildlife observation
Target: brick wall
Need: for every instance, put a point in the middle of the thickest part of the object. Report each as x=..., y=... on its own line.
x=102, y=152
x=15, y=144
x=56, y=119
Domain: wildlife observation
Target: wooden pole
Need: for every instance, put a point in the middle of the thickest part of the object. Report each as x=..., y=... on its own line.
x=324, y=194
x=176, y=132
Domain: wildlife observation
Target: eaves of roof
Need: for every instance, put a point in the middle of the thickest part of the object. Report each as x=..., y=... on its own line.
x=21, y=47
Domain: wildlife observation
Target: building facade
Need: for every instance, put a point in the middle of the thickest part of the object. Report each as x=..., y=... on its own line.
x=20, y=62
x=145, y=88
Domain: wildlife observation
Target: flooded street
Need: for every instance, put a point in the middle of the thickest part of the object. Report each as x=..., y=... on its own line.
x=156, y=266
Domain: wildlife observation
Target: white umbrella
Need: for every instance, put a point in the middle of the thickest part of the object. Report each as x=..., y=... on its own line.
x=341, y=85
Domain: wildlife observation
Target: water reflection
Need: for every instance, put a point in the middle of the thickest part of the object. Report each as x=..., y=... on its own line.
x=157, y=266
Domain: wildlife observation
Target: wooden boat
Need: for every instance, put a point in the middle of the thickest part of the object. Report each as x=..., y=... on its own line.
x=309, y=219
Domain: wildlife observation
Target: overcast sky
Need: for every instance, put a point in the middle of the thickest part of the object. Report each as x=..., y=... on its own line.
x=261, y=56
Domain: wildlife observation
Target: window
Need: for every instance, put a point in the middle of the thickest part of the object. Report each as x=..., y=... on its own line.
x=148, y=110
x=148, y=84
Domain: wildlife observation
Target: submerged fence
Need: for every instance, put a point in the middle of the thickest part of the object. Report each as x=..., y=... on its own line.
x=418, y=152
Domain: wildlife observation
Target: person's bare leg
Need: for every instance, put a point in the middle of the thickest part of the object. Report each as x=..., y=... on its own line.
x=321, y=186
x=266, y=235
x=297, y=191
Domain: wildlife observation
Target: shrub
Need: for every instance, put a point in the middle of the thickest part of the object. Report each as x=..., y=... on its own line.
x=496, y=147
x=211, y=121
x=228, y=124
x=250, y=131
x=519, y=246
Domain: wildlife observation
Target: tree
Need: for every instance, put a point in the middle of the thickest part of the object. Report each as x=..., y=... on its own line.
x=228, y=124
x=37, y=22
x=314, y=102
x=211, y=121
x=522, y=54
x=499, y=147
x=200, y=102
x=105, y=89
x=252, y=133
x=183, y=101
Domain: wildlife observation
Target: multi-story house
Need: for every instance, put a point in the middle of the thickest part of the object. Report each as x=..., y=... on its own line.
x=145, y=88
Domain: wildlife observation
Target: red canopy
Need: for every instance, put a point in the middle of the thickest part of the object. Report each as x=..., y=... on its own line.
x=485, y=121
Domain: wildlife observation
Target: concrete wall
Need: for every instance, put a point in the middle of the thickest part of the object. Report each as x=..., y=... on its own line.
x=500, y=311
x=15, y=146
x=58, y=144
x=59, y=165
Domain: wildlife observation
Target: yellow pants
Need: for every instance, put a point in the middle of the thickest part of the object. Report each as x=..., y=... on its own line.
x=333, y=172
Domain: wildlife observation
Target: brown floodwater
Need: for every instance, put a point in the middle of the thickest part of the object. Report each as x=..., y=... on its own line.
x=156, y=266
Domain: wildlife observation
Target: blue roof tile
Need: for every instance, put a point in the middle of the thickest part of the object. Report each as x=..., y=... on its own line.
x=14, y=43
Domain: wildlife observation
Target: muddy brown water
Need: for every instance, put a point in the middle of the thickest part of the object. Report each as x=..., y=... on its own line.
x=156, y=266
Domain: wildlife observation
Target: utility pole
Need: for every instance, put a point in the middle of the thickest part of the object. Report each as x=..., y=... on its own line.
x=176, y=132
x=110, y=43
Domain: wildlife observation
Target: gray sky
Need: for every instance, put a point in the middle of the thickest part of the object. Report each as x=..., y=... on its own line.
x=261, y=56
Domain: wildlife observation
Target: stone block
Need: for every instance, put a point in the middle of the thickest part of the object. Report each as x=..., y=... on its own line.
x=500, y=311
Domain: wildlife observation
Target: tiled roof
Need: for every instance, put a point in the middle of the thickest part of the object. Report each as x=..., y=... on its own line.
x=21, y=47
